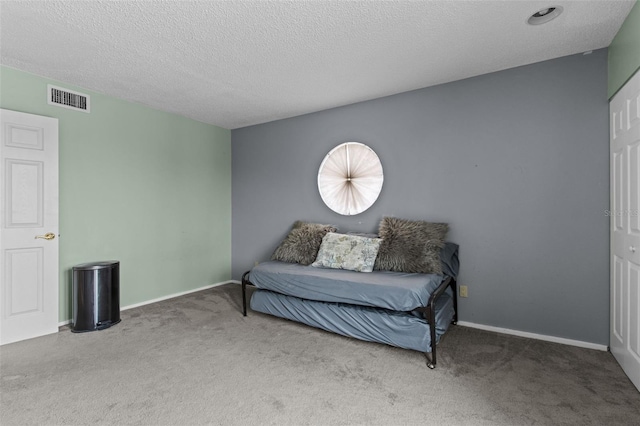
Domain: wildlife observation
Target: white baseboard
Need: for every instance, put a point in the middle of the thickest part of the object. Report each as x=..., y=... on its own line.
x=171, y=296
x=160, y=299
x=546, y=338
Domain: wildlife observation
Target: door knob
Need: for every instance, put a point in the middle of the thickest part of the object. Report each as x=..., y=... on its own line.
x=48, y=236
x=632, y=249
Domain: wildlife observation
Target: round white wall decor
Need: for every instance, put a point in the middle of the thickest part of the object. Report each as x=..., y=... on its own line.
x=350, y=178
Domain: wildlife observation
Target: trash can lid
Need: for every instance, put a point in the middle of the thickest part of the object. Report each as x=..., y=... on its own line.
x=96, y=265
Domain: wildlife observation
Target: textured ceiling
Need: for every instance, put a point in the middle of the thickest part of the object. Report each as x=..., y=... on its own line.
x=238, y=63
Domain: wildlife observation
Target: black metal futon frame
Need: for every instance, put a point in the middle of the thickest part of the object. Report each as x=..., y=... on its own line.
x=428, y=311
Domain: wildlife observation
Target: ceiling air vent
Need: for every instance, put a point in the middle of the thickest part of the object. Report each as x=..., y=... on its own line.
x=67, y=98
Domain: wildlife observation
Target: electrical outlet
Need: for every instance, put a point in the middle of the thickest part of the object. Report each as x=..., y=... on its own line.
x=256, y=263
x=464, y=291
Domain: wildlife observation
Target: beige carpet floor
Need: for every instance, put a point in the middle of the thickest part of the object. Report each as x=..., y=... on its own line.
x=196, y=360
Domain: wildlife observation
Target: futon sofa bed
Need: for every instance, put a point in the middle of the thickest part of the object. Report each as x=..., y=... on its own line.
x=397, y=287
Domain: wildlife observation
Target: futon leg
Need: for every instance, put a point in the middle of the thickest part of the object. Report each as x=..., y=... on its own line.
x=454, y=288
x=432, y=328
x=244, y=293
x=244, y=299
x=430, y=362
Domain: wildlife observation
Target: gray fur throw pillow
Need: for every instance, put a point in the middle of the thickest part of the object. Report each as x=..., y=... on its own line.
x=302, y=243
x=410, y=246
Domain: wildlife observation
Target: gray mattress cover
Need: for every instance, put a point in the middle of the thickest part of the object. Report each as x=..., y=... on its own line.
x=397, y=291
x=399, y=329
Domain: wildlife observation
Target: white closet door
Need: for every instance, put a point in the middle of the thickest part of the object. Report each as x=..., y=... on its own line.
x=28, y=212
x=624, y=111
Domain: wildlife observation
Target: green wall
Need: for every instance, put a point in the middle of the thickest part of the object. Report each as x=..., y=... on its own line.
x=624, y=51
x=145, y=187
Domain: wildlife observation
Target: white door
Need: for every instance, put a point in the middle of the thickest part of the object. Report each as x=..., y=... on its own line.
x=29, y=226
x=624, y=111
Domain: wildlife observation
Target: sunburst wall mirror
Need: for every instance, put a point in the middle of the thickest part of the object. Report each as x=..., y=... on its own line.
x=350, y=178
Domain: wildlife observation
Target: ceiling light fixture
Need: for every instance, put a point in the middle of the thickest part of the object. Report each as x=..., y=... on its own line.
x=545, y=15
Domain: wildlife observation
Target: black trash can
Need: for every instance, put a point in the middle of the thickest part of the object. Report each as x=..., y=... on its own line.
x=96, y=296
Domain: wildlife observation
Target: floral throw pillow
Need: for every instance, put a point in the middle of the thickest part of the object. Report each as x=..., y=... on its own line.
x=352, y=252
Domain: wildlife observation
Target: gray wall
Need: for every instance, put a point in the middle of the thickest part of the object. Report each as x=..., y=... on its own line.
x=516, y=161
